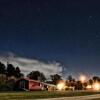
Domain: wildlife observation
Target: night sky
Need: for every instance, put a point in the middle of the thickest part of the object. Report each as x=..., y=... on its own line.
x=67, y=31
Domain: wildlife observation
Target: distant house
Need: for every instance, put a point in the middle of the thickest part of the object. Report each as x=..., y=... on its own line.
x=31, y=85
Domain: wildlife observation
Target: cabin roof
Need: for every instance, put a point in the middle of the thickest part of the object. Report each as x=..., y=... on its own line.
x=31, y=80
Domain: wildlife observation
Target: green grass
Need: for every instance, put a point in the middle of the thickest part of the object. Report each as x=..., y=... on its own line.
x=41, y=94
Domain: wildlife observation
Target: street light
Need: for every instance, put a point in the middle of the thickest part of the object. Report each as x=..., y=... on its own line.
x=61, y=85
x=82, y=79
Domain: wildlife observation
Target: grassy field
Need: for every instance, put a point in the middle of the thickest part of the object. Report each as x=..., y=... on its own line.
x=41, y=94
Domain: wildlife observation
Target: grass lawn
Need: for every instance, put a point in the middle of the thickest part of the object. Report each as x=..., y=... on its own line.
x=41, y=94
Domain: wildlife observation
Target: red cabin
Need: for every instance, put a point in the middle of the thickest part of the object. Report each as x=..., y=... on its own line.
x=29, y=84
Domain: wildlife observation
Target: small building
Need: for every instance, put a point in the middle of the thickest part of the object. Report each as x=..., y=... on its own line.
x=50, y=87
x=32, y=85
x=28, y=84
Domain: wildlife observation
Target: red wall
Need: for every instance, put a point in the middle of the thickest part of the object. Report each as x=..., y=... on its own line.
x=34, y=85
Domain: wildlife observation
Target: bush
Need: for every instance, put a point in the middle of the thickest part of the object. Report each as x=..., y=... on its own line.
x=4, y=87
x=7, y=86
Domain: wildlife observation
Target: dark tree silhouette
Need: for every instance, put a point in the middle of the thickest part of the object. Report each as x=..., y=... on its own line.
x=10, y=70
x=96, y=78
x=78, y=85
x=71, y=81
x=21, y=75
x=36, y=75
x=70, y=78
x=90, y=81
x=17, y=72
x=55, y=78
x=42, y=77
x=2, y=68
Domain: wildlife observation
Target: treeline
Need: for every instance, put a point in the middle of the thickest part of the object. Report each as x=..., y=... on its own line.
x=9, y=74
x=10, y=70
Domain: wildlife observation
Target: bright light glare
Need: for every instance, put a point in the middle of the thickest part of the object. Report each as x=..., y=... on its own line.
x=96, y=86
x=61, y=86
x=89, y=87
x=82, y=78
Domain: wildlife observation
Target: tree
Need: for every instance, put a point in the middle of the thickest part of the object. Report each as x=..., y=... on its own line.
x=42, y=77
x=2, y=68
x=55, y=78
x=78, y=85
x=10, y=70
x=70, y=79
x=36, y=75
x=17, y=72
x=21, y=75
x=90, y=81
x=2, y=71
x=96, y=78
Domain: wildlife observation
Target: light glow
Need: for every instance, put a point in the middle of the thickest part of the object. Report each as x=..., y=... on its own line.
x=89, y=87
x=96, y=86
x=82, y=78
x=61, y=86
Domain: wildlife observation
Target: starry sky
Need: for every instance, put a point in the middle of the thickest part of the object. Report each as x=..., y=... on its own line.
x=67, y=31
